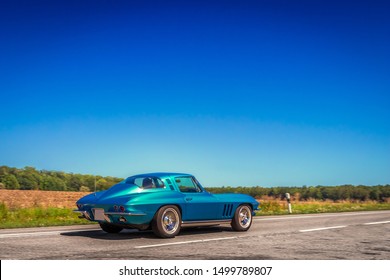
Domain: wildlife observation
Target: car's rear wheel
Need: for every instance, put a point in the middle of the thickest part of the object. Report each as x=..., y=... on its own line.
x=242, y=219
x=110, y=228
x=167, y=222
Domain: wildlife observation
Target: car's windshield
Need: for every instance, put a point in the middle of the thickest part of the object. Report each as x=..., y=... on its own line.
x=145, y=182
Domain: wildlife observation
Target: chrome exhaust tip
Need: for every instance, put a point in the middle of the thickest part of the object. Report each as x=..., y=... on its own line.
x=122, y=219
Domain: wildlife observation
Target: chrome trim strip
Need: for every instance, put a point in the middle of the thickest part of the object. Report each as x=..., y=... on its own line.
x=114, y=213
x=204, y=223
x=125, y=213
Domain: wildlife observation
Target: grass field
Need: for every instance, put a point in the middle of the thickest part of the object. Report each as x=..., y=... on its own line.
x=38, y=217
x=280, y=208
x=50, y=208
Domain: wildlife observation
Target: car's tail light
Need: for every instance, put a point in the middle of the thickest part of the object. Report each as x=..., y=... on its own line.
x=121, y=208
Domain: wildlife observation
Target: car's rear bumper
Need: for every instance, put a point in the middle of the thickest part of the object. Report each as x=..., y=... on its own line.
x=134, y=217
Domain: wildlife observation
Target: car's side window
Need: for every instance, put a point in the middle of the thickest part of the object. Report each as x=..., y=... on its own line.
x=187, y=185
x=149, y=182
x=138, y=182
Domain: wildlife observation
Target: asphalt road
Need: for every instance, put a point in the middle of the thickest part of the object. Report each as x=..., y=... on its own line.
x=352, y=236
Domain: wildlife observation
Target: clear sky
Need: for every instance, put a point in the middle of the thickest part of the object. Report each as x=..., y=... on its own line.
x=267, y=92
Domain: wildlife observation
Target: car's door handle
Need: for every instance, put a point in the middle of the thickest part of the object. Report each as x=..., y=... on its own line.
x=188, y=198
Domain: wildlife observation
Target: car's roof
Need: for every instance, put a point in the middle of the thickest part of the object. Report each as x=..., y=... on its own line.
x=161, y=174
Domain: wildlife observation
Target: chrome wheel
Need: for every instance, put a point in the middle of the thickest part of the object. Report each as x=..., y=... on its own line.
x=245, y=216
x=167, y=221
x=170, y=220
x=242, y=219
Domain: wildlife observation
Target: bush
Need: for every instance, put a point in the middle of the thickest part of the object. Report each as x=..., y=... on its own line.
x=3, y=212
x=84, y=189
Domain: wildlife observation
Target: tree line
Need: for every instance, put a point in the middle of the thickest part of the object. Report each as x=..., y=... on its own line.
x=379, y=193
x=29, y=178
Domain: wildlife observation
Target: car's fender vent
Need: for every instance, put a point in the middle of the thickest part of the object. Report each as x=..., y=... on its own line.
x=227, y=210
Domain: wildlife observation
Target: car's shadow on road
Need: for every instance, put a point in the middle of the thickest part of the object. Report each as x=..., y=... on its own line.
x=127, y=234
x=100, y=234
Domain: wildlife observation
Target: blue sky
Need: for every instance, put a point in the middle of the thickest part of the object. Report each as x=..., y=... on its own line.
x=269, y=93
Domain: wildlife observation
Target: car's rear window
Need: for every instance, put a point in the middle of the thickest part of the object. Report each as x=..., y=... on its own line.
x=145, y=182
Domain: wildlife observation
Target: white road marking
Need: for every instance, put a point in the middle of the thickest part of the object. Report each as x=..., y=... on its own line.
x=308, y=216
x=377, y=223
x=184, y=242
x=41, y=233
x=317, y=229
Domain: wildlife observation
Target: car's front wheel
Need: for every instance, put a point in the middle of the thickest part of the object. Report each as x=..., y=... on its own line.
x=167, y=222
x=110, y=228
x=242, y=219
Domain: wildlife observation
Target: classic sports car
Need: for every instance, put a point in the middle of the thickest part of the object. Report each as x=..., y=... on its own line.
x=165, y=202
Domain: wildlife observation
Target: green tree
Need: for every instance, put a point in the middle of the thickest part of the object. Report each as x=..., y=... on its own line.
x=75, y=182
x=4, y=170
x=27, y=181
x=89, y=181
x=10, y=182
x=101, y=184
x=53, y=184
x=375, y=194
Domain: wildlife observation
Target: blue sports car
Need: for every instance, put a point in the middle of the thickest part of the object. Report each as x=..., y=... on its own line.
x=165, y=202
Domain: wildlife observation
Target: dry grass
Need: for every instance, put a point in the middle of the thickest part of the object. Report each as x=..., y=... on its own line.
x=15, y=199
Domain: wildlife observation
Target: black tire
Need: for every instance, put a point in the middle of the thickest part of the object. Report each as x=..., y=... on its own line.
x=167, y=222
x=110, y=228
x=242, y=219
